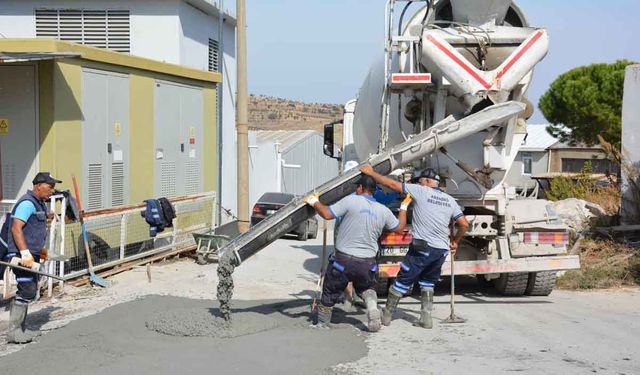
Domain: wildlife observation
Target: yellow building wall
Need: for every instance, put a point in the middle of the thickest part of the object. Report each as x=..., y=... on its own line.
x=60, y=120
x=210, y=153
x=141, y=137
x=47, y=153
x=60, y=95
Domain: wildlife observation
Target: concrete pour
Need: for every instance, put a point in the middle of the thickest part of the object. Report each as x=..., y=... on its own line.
x=271, y=338
x=192, y=322
x=225, y=285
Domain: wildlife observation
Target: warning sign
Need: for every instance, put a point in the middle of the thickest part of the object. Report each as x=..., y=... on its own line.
x=4, y=126
x=192, y=135
x=118, y=129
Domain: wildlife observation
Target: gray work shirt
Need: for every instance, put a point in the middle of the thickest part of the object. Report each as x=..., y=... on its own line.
x=433, y=211
x=362, y=221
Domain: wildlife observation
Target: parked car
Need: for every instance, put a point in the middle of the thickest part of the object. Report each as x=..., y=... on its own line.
x=272, y=202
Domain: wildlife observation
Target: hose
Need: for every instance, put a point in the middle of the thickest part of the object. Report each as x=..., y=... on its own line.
x=402, y=17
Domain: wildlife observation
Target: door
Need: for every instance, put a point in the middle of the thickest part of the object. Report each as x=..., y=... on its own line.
x=178, y=140
x=18, y=129
x=105, y=140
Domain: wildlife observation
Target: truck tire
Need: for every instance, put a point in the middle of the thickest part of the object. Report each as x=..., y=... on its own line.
x=541, y=283
x=511, y=284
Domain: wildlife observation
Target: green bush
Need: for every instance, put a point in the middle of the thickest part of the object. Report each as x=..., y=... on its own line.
x=578, y=186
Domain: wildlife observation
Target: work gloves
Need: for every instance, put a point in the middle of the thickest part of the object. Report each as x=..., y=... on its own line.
x=312, y=199
x=44, y=255
x=406, y=202
x=26, y=259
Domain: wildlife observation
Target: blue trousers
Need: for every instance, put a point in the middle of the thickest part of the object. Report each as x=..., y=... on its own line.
x=423, y=264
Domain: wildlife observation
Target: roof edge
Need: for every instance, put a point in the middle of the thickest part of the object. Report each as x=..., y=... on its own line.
x=35, y=45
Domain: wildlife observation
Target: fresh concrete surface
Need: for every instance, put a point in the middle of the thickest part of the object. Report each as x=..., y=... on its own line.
x=567, y=332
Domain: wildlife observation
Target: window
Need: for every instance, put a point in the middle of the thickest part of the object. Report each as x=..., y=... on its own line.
x=108, y=28
x=597, y=165
x=527, y=164
x=214, y=56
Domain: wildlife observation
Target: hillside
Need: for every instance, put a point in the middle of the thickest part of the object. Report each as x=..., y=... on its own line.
x=270, y=113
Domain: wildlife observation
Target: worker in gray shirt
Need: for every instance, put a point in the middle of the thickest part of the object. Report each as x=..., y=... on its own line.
x=362, y=221
x=434, y=213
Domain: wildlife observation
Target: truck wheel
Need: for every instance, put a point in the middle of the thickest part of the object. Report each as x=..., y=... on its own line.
x=541, y=283
x=511, y=284
x=201, y=259
x=382, y=287
x=304, y=233
x=482, y=281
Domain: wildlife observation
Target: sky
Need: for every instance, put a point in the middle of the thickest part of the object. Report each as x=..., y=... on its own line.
x=320, y=51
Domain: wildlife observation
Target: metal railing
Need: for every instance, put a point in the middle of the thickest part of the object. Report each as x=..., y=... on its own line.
x=123, y=236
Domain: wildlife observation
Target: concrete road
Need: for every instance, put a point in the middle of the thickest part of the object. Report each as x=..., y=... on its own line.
x=567, y=332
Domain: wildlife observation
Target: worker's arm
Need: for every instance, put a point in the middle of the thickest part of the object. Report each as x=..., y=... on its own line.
x=18, y=235
x=26, y=259
x=402, y=215
x=321, y=209
x=463, y=225
x=382, y=180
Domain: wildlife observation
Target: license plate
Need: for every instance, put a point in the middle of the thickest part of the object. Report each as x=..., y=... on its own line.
x=394, y=251
x=269, y=212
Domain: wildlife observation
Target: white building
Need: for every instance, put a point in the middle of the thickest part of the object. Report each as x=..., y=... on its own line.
x=532, y=158
x=287, y=162
x=182, y=32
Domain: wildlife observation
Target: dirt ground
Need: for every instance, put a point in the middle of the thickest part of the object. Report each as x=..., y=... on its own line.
x=99, y=331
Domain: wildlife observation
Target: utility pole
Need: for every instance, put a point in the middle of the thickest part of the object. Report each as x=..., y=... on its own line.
x=219, y=101
x=242, y=121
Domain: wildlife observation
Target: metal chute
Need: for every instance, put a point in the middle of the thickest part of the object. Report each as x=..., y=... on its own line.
x=419, y=146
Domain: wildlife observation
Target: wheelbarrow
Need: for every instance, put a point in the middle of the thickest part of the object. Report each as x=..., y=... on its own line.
x=210, y=242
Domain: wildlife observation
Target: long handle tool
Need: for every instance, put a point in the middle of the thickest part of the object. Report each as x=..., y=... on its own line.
x=453, y=318
x=323, y=259
x=32, y=271
x=92, y=275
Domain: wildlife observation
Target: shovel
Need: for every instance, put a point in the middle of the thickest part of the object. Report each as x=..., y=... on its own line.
x=97, y=280
x=453, y=318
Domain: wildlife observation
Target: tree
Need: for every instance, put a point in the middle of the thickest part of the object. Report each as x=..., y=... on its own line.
x=586, y=102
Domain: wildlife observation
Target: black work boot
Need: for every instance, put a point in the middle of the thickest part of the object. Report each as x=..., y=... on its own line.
x=392, y=302
x=324, y=316
x=426, y=299
x=17, y=333
x=373, y=314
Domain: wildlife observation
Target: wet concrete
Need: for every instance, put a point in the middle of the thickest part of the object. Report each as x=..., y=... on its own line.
x=195, y=322
x=117, y=341
x=225, y=285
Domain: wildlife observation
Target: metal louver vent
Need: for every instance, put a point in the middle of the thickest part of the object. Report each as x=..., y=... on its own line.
x=9, y=183
x=98, y=28
x=117, y=184
x=168, y=179
x=94, y=187
x=214, y=54
x=193, y=177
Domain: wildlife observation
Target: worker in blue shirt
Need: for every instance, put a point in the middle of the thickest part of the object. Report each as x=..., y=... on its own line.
x=25, y=242
x=434, y=213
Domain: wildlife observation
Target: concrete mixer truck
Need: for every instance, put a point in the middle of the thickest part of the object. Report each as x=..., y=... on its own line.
x=448, y=93
x=449, y=60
